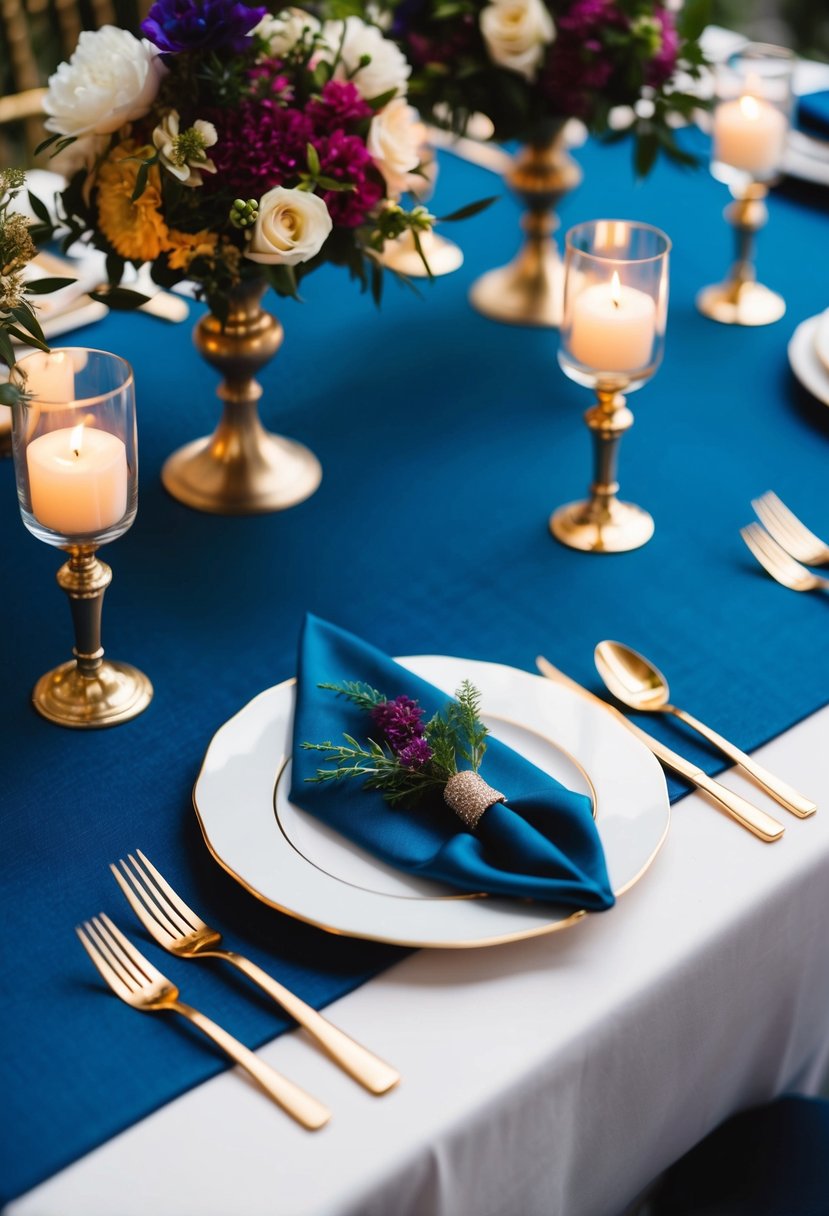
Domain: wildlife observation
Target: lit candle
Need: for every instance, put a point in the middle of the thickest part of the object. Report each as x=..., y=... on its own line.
x=749, y=134
x=77, y=479
x=51, y=377
x=613, y=327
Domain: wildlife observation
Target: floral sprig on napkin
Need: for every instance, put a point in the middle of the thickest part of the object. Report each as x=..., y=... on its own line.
x=409, y=758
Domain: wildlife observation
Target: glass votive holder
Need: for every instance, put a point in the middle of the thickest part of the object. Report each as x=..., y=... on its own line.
x=612, y=340
x=76, y=463
x=751, y=121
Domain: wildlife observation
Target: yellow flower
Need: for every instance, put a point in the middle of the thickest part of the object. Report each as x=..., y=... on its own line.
x=137, y=229
x=185, y=246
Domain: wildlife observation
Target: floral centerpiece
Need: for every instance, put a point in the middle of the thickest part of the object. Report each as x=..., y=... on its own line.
x=237, y=149
x=529, y=66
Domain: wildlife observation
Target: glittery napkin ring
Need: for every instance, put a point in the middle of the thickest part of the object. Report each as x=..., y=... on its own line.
x=469, y=796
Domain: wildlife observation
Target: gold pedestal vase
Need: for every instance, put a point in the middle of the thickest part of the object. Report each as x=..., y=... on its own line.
x=529, y=291
x=241, y=469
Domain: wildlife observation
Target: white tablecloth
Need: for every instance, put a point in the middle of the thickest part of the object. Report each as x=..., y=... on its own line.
x=554, y=1077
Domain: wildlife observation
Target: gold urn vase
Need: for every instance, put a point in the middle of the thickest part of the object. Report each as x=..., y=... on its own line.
x=241, y=469
x=529, y=291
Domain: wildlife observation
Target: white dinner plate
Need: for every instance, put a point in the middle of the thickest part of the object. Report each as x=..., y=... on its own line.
x=804, y=361
x=290, y=860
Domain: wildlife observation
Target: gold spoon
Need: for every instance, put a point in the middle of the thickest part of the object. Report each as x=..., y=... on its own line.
x=638, y=684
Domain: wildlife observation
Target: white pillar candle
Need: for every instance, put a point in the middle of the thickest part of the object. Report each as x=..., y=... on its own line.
x=749, y=134
x=77, y=479
x=613, y=327
x=51, y=377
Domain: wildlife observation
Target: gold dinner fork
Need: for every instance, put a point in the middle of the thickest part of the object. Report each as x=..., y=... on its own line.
x=176, y=927
x=780, y=564
x=789, y=531
x=134, y=979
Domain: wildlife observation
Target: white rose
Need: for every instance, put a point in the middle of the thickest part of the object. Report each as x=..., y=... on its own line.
x=284, y=31
x=387, y=68
x=291, y=227
x=395, y=138
x=516, y=33
x=112, y=78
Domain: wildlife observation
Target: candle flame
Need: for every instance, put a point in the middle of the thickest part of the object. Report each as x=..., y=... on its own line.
x=616, y=289
x=749, y=107
x=76, y=439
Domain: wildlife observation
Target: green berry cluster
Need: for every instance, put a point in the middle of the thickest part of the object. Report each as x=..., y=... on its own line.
x=244, y=214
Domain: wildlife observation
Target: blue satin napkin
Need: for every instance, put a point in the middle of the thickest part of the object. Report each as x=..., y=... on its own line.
x=813, y=114
x=542, y=844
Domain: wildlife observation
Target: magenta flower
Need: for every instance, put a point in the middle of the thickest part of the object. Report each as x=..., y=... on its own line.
x=345, y=158
x=201, y=25
x=400, y=720
x=416, y=754
x=339, y=105
x=662, y=66
x=261, y=145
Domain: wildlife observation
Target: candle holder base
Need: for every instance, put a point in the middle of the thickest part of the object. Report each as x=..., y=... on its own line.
x=113, y=693
x=529, y=291
x=595, y=527
x=741, y=303
x=443, y=256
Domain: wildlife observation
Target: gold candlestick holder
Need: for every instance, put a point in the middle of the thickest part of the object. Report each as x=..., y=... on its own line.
x=76, y=463
x=741, y=300
x=89, y=690
x=750, y=128
x=612, y=338
x=601, y=523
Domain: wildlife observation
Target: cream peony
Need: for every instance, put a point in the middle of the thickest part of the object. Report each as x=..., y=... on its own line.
x=395, y=139
x=111, y=79
x=386, y=69
x=283, y=31
x=516, y=33
x=291, y=227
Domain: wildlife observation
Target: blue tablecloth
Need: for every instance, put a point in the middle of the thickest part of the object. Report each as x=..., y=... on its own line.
x=446, y=440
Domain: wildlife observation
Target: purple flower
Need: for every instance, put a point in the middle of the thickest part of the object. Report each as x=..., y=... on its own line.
x=662, y=66
x=261, y=145
x=345, y=158
x=201, y=25
x=401, y=721
x=339, y=104
x=416, y=754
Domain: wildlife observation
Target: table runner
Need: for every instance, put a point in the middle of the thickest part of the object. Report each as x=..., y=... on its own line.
x=446, y=441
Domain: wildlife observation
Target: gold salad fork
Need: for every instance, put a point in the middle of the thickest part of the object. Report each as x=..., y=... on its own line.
x=178, y=929
x=778, y=563
x=789, y=531
x=134, y=979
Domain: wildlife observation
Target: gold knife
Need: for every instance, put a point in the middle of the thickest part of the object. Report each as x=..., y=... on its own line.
x=745, y=812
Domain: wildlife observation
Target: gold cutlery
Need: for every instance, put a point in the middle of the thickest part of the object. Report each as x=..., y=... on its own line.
x=178, y=929
x=779, y=564
x=750, y=816
x=789, y=531
x=637, y=683
x=134, y=979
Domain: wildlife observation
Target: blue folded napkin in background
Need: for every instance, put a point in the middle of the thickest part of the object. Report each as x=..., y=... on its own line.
x=813, y=114
x=542, y=844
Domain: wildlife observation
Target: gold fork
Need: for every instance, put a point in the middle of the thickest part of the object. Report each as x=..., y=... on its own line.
x=780, y=564
x=789, y=531
x=134, y=979
x=176, y=927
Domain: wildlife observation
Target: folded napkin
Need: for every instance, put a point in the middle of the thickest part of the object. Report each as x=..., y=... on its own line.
x=813, y=114
x=542, y=844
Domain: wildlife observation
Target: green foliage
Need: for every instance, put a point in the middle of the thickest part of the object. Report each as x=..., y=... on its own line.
x=456, y=737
